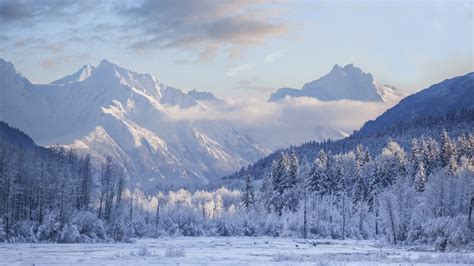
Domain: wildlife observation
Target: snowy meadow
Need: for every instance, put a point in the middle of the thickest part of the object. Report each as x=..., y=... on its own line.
x=228, y=250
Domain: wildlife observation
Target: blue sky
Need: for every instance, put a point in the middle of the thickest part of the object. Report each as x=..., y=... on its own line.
x=245, y=48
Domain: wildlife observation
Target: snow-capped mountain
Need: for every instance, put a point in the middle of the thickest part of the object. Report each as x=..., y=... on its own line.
x=109, y=110
x=347, y=82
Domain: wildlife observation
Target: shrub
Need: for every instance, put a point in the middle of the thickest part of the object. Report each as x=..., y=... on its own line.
x=143, y=251
x=69, y=234
x=89, y=227
x=24, y=231
x=49, y=230
x=174, y=251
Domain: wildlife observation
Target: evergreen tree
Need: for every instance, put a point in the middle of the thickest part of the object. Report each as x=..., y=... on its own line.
x=430, y=154
x=359, y=190
x=317, y=173
x=416, y=156
x=448, y=149
x=452, y=166
x=376, y=184
x=420, y=177
x=292, y=193
x=266, y=190
x=280, y=174
x=292, y=170
x=280, y=182
x=464, y=147
x=329, y=178
x=248, y=197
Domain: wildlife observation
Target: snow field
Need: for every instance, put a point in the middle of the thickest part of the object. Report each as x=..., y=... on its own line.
x=227, y=250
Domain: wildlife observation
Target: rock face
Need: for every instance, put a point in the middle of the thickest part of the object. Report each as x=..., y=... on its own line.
x=108, y=110
x=347, y=82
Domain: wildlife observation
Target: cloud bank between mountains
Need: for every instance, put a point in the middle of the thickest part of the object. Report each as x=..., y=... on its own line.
x=295, y=120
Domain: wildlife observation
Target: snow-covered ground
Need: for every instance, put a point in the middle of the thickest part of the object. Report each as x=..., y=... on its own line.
x=226, y=250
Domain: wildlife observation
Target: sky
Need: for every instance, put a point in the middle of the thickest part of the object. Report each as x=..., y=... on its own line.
x=240, y=49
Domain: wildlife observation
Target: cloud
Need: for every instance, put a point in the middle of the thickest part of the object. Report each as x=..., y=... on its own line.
x=239, y=69
x=29, y=11
x=291, y=121
x=273, y=57
x=201, y=26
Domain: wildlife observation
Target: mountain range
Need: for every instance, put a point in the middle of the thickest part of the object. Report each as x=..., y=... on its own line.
x=111, y=111
x=107, y=110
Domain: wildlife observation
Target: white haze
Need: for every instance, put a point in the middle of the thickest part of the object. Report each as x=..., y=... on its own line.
x=289, y=122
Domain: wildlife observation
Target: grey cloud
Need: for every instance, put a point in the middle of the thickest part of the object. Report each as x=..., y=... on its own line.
x=200, y=25
x=27, y=11
x=4, y=38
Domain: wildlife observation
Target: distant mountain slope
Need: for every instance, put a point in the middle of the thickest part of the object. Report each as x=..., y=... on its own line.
x=204, y=96
x=447, y=105
x=347, y=82
x=110, y=110
x=452, y=94
x=15, y=136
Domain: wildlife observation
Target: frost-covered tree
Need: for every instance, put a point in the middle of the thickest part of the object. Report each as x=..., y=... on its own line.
x=448, y=149
x=430, y=152
x=416, y=156
x=248, y=196
x=292, y=191
x=317, y=174
x=465, y=146
x=266, y=190
x=359, y=187
x=420, y=177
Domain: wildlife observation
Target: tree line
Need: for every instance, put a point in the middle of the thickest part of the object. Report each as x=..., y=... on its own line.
x=399, y=195
x=420, y=195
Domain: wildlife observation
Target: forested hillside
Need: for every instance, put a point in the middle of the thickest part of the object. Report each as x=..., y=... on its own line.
x=454, y=122
x=50, y=194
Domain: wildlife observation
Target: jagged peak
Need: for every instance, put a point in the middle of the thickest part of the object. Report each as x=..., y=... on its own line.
x=105, y=62
x=349, y=69
x=336, y=67
x=82, y=74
